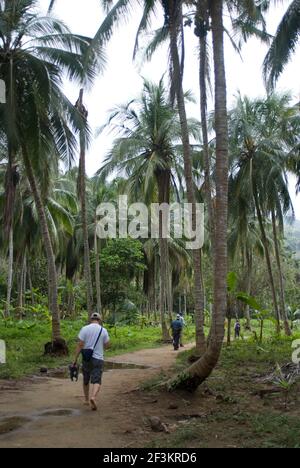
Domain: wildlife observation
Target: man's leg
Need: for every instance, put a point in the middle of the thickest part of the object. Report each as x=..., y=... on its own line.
x=86, y=392
x=94, y=394
x=96, y=379
x=176, y=341
x=86, y=382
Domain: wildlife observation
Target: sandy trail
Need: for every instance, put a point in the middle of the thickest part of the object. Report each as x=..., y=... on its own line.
x=54, y=415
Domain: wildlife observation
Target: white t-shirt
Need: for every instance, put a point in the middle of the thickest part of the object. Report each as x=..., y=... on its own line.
x=89, y=335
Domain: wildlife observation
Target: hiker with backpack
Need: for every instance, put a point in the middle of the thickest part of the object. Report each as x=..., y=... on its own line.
x=176, y=327
x=93, y=340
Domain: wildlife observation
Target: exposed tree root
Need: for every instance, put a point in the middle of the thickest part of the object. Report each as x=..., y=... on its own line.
x=57, y=348
x=184, y=381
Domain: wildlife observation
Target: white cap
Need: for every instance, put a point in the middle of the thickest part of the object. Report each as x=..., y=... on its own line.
x=95, y=316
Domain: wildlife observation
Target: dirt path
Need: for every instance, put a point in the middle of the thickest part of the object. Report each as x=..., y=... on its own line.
x=49, y=411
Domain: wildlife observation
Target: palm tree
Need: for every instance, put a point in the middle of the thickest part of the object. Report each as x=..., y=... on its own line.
x=283, y=45
x=244, y=240
x=173, y=19
x=174, y=22
x=101, y=193
x=148, y=152
x=247, y=21
x=37, y=119
x=261, y=143
x=202, y=28
x=248, y=17
x=202, y=368
x=82, y=195
x=59, y=208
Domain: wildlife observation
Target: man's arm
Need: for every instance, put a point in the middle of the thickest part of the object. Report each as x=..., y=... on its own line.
x=79, y=347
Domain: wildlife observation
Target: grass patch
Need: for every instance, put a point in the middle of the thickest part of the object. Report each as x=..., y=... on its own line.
x=25, y=342
x=236, y=416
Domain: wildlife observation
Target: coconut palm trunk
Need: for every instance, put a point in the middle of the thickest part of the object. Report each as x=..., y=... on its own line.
x=151, y=286
x=9, y=271
x=203, y=18
x=82, y=194
x=267, y=255
x=201, y=369
x=97, y=273
x=249, y=260
x=30, y=284
x=21, y=288
x=163, y=183
x=175, y=9
x=281, y=280
x=57, y=343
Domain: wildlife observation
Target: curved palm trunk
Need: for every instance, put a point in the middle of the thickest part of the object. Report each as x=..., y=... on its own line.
x=175, y=22
x=9, y=271
x=52, y=275
x=201, y=369
x=267, y=255
x=281, y=280
x=82, y=194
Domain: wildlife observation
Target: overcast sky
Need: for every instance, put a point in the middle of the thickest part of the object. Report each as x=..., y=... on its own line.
x=122, y=80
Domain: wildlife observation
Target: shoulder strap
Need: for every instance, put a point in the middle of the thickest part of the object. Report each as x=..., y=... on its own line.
x=98, y=338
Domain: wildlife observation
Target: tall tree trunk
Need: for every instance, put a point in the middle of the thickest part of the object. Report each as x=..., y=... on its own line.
x=57, y=343
x=281, y=280
x=229, y=319
x=156, y=288
x=201, y=369
x=163, y=184
x=82, y=195
x=97, y=274
x=9, y=271
x=175, y=8
x=20, y=303
x=267, y=255
x=151, y=286
x=30, y=284
x=203, y=21
x=25, y=278
x=70, y=299
x=249, y=260
x=169, y=285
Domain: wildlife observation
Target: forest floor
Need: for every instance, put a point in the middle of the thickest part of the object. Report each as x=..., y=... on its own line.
x=48, y=411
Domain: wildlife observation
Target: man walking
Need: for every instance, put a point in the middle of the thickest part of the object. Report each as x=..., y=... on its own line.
x=93, y=340
x=237, y=330
x=176, y=327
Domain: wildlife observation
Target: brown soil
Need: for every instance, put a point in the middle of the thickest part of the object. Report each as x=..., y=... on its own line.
x=226, y=412
x=48, y=412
